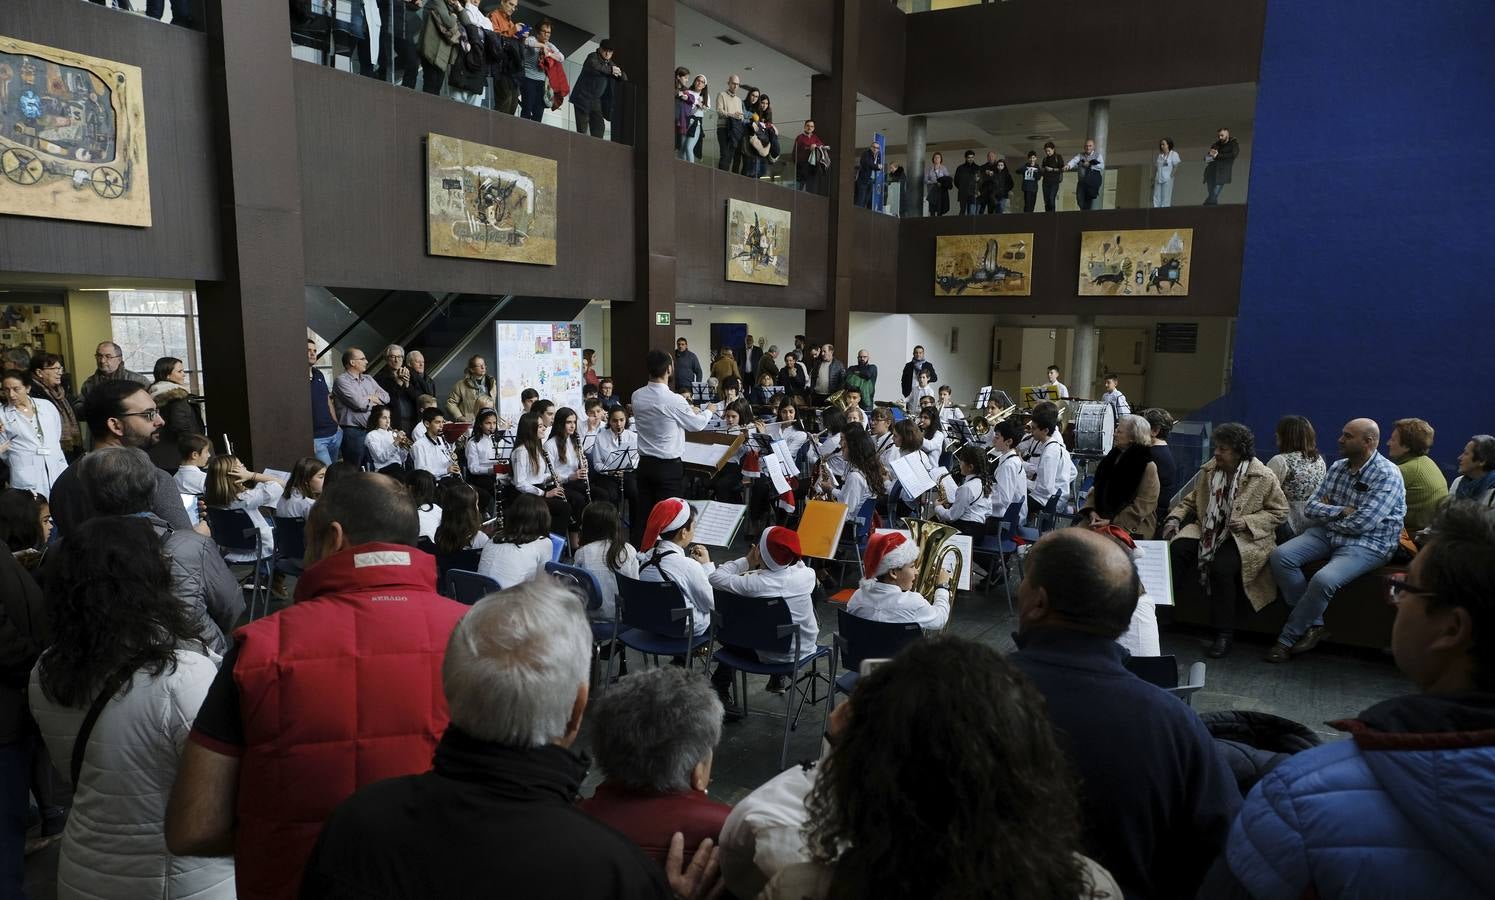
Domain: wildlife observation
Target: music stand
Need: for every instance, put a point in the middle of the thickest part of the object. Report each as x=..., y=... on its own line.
x=623, y=459
x=1003, y=401
x=981, y=396
x=702, y=392
x=959, y=431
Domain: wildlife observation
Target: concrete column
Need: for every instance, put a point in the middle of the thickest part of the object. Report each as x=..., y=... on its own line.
x=913, y=177
x=1098, y=129
x=1082, y=365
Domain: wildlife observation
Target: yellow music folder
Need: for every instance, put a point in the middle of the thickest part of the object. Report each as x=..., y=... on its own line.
x=820, y=528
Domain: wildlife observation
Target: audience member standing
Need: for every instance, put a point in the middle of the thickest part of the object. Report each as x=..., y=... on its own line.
x=181, y=412
x=866, y=177
x=1090, y=168
x=30, y=437
x=827, y=374
x=794, y=377
x=752, y=357
x=111, y=367
x=440, y=40
x=419, y=380
x=476, y=392
x=536, y=47
x=327, y=438
x=48, y=383
x=662, y=417
x=1355, y=520
x=354, y=393
x=687, y=366
x=257, y=778
x=808, y=150
x=599, y=75
x=729, y=123
x=505, y=85
x=966, y=180
x=404, y=396
x=1408, y=447
x=1158, y=798
x=725, y=366
x=863, y=376
x=913, y=367
x=1031, y=178
x=937, y=183
x=1052, y=166
x=1162, y=174
x=1219, y=161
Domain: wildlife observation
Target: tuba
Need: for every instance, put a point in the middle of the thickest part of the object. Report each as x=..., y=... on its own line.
x=933, y=540
x=838, y=400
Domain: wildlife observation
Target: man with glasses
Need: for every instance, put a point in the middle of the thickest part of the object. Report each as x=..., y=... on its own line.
x=729, y=123
x=354, y=393
x=404, y=393
x=119, y=414
x=1405, y=802
x=111, y=367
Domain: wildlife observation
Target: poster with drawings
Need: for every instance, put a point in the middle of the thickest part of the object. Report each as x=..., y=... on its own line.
x=539, y=355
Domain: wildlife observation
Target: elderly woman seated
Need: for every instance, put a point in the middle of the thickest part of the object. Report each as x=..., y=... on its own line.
x=1125, y=493
x=1223, y=531
x=653, y=736
x=1476, y=479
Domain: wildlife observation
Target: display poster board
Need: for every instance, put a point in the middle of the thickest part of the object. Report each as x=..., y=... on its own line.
x=539, y=355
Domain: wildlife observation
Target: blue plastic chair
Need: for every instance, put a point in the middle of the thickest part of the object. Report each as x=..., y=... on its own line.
x=469, y=587
x=898, y=414
x=467, y=560
x=857, y=639
x=998, y=545
x=235, y=532
x=557, y=547
x=604, y=631
x=658, y=620
x=766, y=624
x=861, y=532
x=290, y=545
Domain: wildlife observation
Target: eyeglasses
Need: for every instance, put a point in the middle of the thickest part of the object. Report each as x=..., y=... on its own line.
x=150, y=415
x=1397, y=587
x=106, y=356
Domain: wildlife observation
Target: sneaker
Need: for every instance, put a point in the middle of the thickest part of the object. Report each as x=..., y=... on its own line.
x=778, y=684
x=1310, y=639
x=1221, y=646
x=1278, y=654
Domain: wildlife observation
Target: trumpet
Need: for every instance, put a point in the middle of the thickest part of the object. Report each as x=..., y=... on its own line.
x=933, y=541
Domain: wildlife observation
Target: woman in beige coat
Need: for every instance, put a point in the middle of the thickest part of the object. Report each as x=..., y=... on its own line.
x=1125, y=493
x=439, y=39
x=1223, y=530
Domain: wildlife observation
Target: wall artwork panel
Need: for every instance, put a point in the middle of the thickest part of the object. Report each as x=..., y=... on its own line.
x=1136, y=263
x=489, y=203
x=72, y=136
x=983, y=265
x=757, y=243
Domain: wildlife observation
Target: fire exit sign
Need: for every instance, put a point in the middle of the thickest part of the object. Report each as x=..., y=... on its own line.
x=661, y=318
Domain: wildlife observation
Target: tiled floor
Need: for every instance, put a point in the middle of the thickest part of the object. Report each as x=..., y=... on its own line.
x=1328, y=683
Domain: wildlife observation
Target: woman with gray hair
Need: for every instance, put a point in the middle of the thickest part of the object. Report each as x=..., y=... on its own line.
x=1125, y=493
x=654, y=734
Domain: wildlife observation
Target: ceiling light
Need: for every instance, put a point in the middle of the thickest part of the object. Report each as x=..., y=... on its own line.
x=1039, y=137
x=728, y=40
x=696, y=44
x=747, y=68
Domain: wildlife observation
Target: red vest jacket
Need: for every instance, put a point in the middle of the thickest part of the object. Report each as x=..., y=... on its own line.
x=340, y=689
x=650, y=820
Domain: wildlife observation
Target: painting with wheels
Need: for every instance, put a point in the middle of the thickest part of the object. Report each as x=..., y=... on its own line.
x=72, y=136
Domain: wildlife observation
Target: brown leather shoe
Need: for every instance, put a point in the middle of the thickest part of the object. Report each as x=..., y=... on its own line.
x=1309, y=640
x=1278, y=654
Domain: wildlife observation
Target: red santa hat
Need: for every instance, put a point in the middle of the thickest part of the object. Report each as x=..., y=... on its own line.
x=669, y=514
x=779, y=548
x=886, y=552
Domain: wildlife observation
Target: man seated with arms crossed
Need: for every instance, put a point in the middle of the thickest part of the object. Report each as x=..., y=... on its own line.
x=1156, y=796
x=1404, y=808
x=330, y=693
x=886, y=593
x=773, y=568
x=1355, y=521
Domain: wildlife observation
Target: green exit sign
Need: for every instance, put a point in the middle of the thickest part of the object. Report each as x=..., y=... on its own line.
x=661, y=318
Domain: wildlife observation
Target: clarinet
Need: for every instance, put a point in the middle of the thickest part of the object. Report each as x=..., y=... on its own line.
x=582, y=469
x=554, y=481
x=498, y=488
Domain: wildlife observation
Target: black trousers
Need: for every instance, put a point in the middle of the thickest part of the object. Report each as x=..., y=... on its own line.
x=1030, y=200
x=622, y=494
x=726, y=485
x=576, y=502
x=1224, y=577
x=658, y=479
x=1051, y=195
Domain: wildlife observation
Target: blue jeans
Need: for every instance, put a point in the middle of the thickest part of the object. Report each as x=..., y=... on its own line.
x=1308, y=598
x=532, y=98
x=326, y=448
x=971, y=208
x=354, y=439
x=1214, y=194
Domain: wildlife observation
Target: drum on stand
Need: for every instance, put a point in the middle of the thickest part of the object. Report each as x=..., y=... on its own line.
x=1095, y=427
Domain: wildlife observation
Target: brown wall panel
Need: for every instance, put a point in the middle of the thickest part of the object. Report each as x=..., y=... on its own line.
x=881, y=56
x=1214, y=270
x=874, y=262
x=998, y=54
x=183, y=242
x=799, y=29
x=701, y=194
x=363, y=194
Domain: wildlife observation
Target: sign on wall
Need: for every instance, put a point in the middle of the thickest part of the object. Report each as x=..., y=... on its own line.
x=1133, y=263
x=983, y=265
x=489, y=203
x=72, y=136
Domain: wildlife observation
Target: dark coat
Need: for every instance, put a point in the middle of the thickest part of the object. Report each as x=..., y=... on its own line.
x=966, y=177
x=484, y=815
x=593, y=82
x=687, y=370
x=837, y=377
x=1217, y=170
x=181, y=416
x=911, y=374
x=1053, y=168
x=1254, y=743
x=22, y=635
x=402, y=400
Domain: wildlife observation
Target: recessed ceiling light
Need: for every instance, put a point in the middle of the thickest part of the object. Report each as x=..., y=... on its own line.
x=728, y=40
x=1039, y=137
x=696, y=44
x=747, y=68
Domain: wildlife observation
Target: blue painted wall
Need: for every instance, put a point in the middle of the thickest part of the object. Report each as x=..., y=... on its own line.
x=1370, y=247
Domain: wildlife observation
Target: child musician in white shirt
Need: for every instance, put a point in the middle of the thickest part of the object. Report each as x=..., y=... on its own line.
x=667, y=555
x=774, y=567
x=430, y=452
x=911, y=403
x=885, y=595
x=614, y=452
x=1009, y=478
x=971, y=505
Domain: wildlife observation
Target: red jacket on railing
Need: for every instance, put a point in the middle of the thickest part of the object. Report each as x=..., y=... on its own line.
x=560, y=85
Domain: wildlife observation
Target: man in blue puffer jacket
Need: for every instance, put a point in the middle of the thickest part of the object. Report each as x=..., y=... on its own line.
x=1406, y=807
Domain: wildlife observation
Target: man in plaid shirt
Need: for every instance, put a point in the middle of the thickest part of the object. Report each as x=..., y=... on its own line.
x=1357, y=520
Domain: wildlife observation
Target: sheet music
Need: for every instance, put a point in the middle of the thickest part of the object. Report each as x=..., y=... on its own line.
x=279, y=473
x=1155, y=571
x=950, y=486
x=911, y=476
x=773, y=467
x=962, y=542
x=982, y=395
x=717, y=522
x=782, y=452
x=707, y=455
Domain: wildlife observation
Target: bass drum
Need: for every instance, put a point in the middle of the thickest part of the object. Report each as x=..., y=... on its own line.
x=1095, y=427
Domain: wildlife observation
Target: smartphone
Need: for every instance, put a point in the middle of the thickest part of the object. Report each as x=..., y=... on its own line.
x=868, y=665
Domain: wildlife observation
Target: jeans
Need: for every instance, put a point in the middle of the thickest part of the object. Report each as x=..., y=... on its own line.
x=589, y=119
x=1162, y=194
x=970, y=208
x=181, y=11
x=326, y=448
x=863, y=194
x=1308, y=598
x=1050, y=196
x=1214, y=194
x=532, y=97
x=1030, y=200
x=726, y=147
x=354, y=439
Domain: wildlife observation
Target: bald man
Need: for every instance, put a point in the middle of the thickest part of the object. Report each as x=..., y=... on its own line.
x=1355, y=520
x=1158, y=799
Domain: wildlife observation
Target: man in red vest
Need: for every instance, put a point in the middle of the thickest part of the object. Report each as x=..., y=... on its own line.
x=338, y=690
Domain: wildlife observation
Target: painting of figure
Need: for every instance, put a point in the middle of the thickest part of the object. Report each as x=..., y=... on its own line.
x=1136, y=263
x=757, y=243
x=983, y=265
x=489, y=203
x=72, y=136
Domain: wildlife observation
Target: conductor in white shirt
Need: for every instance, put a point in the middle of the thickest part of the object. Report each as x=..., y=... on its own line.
x=661, y=417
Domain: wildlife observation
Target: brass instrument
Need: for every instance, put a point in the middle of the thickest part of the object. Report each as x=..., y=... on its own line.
x=933, y=540
x=838, y=400
x=982, y=425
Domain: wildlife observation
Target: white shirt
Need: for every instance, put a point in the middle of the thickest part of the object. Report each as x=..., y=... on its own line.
x=191, y=479
x=430, y=520
x=853, y=492
x=266, y=493
x=605, y=455
x=1063, y=391
x=826, y=450
x=593, y=558
x=35, y=452
x=527, y=474
x=879, y=601
x=934, y=446
x=509, y=564
x=434, y=456
x=1165, y=164
x=968, y=504
x=1009, y=485
x=764, y=833
x=1050, y=469
x=662, y=417
x=564, y=471
x=383, y=451
x=691, y=577
x=793, y=583
x=911, y=402
x=1118, y=403
x=480, y=454
x=293, y=505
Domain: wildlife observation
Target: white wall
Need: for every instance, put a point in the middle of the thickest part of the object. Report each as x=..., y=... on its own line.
x=885, y=337
x=596, y=333
x=765, y=324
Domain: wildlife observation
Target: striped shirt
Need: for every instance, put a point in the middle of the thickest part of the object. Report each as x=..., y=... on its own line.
x=1379, y=499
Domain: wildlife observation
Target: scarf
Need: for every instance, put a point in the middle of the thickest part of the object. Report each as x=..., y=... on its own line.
x=1214, y=528
x=69, y=437
x=1471, y=489
x=1117, y=479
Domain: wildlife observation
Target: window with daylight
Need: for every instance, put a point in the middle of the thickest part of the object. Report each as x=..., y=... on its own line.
x=148, y=325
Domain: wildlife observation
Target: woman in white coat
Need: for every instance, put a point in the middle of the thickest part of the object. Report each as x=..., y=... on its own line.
x=118, y=631
x=31, y=439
